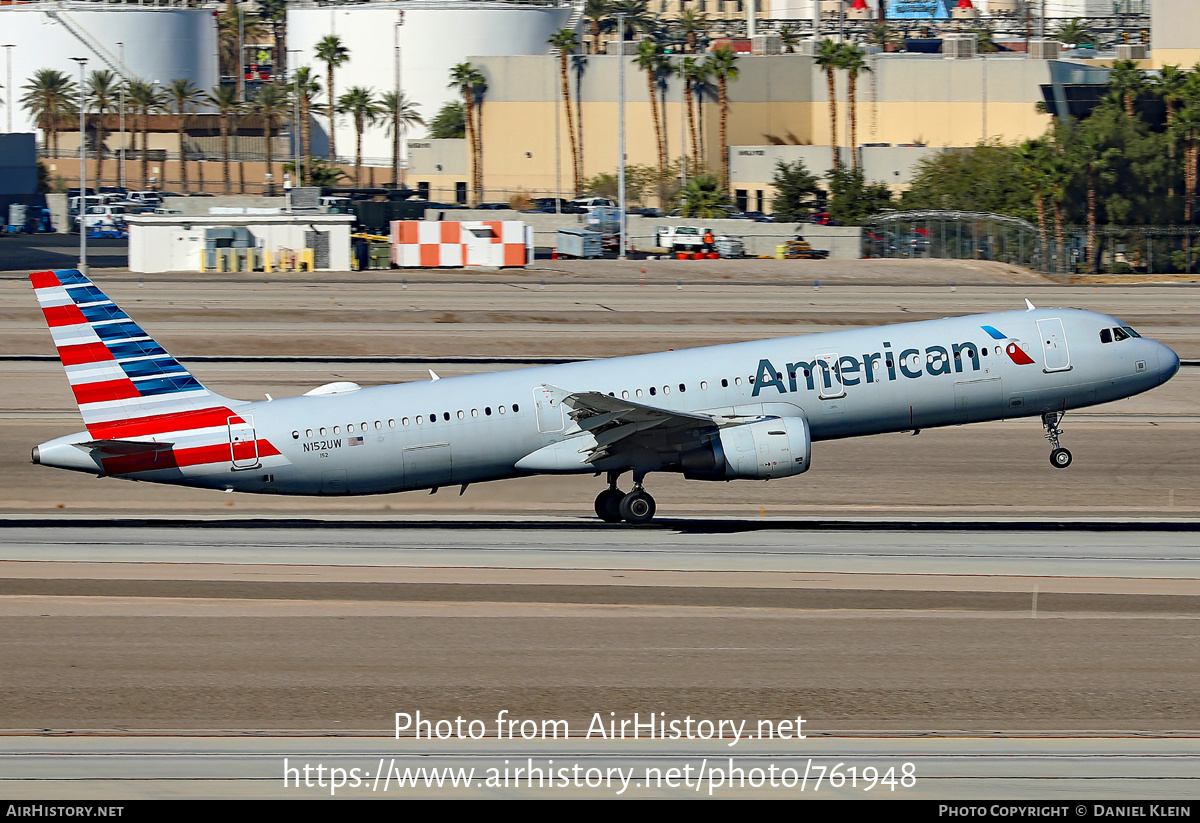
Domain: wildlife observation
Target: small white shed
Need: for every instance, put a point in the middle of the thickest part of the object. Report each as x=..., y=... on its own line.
x=177, y=242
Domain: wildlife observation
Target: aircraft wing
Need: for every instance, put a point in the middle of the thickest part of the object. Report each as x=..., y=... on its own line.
x=608, y=425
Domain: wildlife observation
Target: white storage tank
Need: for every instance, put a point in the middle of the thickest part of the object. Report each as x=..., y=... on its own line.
x=433, y=36
x=160, y=45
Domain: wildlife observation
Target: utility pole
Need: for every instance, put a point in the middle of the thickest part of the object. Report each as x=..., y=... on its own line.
x=121, y=95
x=83, y=266
x=8, y=100
x=621, y=133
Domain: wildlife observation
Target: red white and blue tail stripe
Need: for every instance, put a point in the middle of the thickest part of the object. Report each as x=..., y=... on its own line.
x=144, y=412
x=124, y=382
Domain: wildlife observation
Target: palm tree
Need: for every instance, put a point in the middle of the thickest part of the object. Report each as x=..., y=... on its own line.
x=470, y=83
x=690, y=23
x=1074, y=33
x=401, y=113
x=637, y=16
x=305, y=84
x=596, y=12
x=359, y=102
x=649, y=60
x=565, y=42
x=722, y=64
x=102, y=99
x=855, y=63
x=1087, y=150
x=829, y=58
x=225, y=100
x=1186, y=132
x=789, y=36
x=145, y=99
x=270, y=103
x=183, y=96
x=233, y=29
x=703, y=196
x=1171, y=84
x=1032, y=157
x=332, y=53
x=689, y=69
x=274, y=15
x=49, y=97
x=1126, y=81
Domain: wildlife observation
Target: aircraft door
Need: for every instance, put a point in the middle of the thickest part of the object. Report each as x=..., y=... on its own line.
x=243, y=443
x=1054, y=345
x=549, y=410
x=828, y=377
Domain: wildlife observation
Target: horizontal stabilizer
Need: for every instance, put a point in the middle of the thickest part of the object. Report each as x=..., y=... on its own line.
x=107, y=448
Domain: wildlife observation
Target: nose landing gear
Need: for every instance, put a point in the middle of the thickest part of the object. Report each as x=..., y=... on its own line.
x=1060, y=458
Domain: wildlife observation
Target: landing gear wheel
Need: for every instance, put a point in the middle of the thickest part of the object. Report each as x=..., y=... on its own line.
x=637, y=507
x=1060, y=458
x=608, y=505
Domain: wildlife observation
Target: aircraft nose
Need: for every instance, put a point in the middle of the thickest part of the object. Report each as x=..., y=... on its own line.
x=1168, y=363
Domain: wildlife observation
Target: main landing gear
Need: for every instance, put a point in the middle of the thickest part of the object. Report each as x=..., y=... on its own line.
x=614, y=505
x=1060, y=458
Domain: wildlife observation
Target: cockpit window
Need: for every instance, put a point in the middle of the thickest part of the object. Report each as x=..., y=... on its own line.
x=1120, y=334
x=1106, y=335
x=1132, y=333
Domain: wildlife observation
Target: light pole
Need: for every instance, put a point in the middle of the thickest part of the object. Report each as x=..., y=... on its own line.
x=121, y=104
x=8, y=101
x=621, y=133
x=400, y=142
x=83, y=266
x=297, y=128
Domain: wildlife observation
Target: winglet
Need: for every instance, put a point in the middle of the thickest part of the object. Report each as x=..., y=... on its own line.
x=1030, y=305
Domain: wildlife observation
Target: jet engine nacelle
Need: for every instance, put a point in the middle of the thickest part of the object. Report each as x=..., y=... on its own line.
x=754, y=451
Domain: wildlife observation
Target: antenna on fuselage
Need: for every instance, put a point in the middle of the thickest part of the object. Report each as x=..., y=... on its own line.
x=1030, y=305
x=433, y=375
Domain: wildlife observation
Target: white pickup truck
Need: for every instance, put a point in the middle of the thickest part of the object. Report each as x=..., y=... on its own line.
x=679, y=238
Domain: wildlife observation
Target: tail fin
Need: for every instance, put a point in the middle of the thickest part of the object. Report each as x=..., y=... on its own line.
x=126, y=385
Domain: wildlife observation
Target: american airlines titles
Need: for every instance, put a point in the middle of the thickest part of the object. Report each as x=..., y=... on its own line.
x=848, y=370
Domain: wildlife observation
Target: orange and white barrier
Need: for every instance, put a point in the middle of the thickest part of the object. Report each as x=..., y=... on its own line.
x=467, y=244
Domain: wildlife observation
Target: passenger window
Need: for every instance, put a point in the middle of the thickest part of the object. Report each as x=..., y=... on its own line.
x=703, y=385
x=446, y=416
x=500, y=409
x=418, y=419
x=379, y=425
x=638, y=392
x=624, y=395
x=683, y=387
x=1106, y=335
x=323, y=431
x=516, y=408
x=724, y=383
x=666, y=389
x=653, y=391
x=487, y=411
x=392, y=423
x=460, y=414
x=350, y=427
x=308, y=432
x=296, y=435
x=363, y=426
x=737, y=381
x=337, y=429
x=403, y=421
x=474, y=412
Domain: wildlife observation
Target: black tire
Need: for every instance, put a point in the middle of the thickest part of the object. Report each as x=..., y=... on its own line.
x=1060, y=458
x=608, y=505
x=637, y=508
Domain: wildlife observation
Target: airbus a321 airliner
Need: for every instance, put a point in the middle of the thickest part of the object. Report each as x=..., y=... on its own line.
x=739, y=411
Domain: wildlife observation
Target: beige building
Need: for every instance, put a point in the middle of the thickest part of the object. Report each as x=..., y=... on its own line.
x=779, y=100
x=1175, y=33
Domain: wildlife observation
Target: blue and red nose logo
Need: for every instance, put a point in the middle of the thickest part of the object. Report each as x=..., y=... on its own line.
x=1015, y=353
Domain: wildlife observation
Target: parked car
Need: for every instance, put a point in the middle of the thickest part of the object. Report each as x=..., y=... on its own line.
x=143, y=198
x=102, y=216
x=494, y=206
x=589, y=203
x=546, y=205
